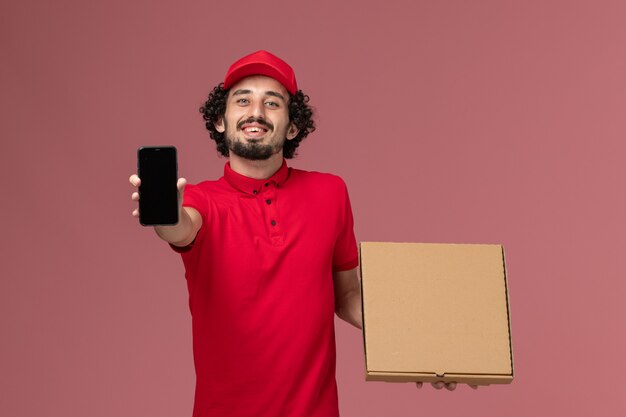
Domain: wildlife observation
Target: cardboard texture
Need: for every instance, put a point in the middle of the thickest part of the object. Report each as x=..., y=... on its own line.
x=435, y=312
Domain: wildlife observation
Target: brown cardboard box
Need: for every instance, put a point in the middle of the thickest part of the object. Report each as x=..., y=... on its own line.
x=435, y=312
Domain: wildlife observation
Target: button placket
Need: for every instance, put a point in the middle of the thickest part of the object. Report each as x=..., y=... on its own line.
x=272, y=216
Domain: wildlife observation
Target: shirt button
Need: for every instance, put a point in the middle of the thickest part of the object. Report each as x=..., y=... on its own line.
x=268, y=201
x=267, y=184
x=254, y=192
x=273, y=222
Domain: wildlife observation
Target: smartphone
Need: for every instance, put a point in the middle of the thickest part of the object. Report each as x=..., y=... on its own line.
x=158, y=196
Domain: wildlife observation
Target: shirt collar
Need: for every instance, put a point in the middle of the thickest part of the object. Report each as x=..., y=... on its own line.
x=251, y=185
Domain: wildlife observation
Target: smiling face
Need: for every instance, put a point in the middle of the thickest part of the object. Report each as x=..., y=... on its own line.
x=256, y=122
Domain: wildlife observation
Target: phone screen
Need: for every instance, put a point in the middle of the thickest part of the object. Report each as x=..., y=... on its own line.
x=158, y=196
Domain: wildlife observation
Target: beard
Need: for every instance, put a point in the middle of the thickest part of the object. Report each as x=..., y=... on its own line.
x=252, y=150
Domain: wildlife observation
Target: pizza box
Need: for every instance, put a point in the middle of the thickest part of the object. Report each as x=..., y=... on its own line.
x=435, y=312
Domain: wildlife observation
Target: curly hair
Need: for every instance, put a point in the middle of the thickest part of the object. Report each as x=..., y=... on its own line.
x=300, y=114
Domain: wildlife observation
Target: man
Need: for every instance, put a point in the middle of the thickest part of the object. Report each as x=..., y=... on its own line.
x=269, y=253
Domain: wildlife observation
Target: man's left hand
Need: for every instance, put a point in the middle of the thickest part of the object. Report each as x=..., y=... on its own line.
x=450, y=386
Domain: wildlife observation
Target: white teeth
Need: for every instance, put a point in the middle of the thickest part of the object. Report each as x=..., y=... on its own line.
x=252, y=129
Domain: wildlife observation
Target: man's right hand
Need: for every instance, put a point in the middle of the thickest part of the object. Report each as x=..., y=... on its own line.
x=190, y=221
x=136, y=182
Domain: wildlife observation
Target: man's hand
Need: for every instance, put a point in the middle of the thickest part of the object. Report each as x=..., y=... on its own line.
x=136, y=181
x=190, y=221
x=450, y=386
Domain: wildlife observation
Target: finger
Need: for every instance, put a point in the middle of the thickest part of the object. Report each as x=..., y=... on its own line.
x=438, y=385
x=419, y=384
x=136, y=213
x=451, y=386
x=181, y=184
x=134, y=180
x=134, y=196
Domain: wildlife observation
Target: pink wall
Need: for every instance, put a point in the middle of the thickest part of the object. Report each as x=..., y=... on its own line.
x=451, y=121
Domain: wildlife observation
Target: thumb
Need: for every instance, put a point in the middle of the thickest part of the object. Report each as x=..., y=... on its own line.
x=181, y=184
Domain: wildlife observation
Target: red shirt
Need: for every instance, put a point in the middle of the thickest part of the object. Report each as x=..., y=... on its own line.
x=260, y=282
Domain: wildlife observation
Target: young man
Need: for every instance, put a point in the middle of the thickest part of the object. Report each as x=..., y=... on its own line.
x=269, y=253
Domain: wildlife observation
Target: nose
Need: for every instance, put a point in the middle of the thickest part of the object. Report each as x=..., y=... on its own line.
x=257, y=109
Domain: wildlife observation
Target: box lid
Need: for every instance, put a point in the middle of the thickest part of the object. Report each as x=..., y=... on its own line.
x=435, y=309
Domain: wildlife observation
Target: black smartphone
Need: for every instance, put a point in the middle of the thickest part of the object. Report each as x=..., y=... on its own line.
x=158, y=195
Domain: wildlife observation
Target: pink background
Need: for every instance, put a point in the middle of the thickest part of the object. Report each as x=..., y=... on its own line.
x=451, y=121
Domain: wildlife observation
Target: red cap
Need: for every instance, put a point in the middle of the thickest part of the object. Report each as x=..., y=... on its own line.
x=262, y=63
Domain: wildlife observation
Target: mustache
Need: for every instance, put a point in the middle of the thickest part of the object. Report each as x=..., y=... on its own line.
x=257, y=120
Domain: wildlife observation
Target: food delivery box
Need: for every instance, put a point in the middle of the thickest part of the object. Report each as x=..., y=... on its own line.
x=435, y=312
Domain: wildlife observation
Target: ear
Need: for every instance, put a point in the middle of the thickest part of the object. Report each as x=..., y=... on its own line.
x=292, y=132
x=219, y=125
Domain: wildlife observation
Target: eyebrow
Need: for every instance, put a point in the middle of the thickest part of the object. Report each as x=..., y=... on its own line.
x=241, y=92
x=267, y=93
x=275, y=94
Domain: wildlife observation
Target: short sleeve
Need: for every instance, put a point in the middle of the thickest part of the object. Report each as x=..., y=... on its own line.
x=345, y=255
x=194, y=196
